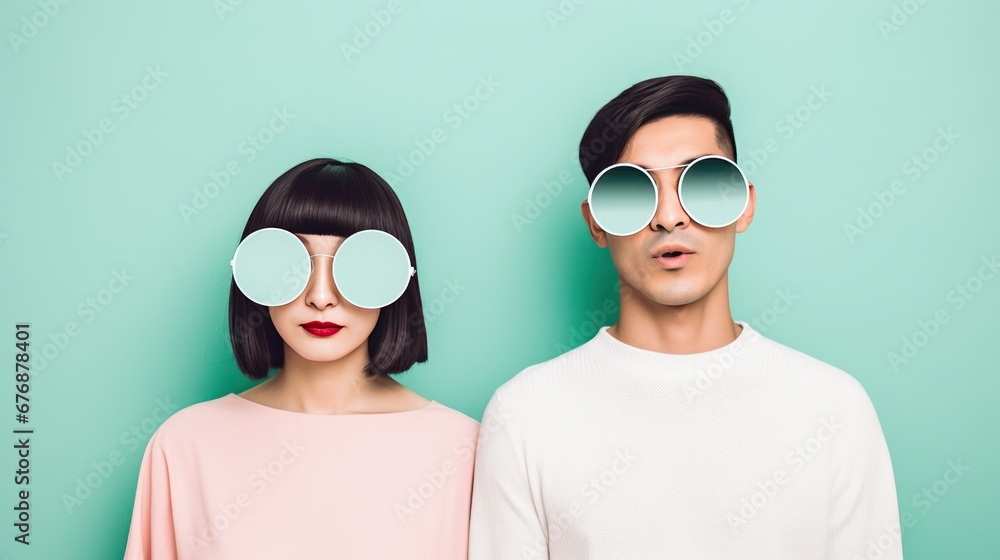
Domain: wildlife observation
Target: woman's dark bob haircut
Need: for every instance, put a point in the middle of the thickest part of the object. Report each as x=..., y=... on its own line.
x=325, y=196
x=609, y=132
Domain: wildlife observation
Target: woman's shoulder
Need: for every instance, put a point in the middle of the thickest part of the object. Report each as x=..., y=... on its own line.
x=193, y=418
x=449, y=422
x=443, y=432
x=431, y=411
x=452, y=415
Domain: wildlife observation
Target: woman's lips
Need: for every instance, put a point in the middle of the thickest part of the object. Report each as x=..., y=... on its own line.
x=320, y=328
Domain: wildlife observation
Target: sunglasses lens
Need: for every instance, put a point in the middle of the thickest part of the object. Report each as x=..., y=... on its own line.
x=623, y=200
x=371, y=269
x=271, y=267
x=714, y=192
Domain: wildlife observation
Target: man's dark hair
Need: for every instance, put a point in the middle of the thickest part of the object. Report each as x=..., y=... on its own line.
x=325, y=196
x=611, y=129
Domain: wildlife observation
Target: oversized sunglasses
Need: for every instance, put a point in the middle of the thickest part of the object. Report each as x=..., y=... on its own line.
x=271, y=267
x=712, y=189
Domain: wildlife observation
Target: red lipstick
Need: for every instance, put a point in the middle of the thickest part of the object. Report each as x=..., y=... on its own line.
x=321, y=328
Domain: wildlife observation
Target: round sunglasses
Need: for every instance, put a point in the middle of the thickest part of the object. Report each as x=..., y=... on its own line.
x=371, y=269
x=712, y=189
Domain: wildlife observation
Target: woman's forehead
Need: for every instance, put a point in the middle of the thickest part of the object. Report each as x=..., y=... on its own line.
x=319, y=241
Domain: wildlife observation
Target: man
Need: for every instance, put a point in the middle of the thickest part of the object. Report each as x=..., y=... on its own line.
x=678, y=432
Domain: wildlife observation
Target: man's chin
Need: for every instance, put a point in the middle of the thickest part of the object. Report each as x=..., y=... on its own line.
x=674, y=296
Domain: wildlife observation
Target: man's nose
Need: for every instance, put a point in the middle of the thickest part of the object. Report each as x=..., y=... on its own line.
x=669, y=212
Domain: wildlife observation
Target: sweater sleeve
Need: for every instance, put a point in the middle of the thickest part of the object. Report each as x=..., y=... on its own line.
x=151, y=533
x=864, y=513
x=507, y=520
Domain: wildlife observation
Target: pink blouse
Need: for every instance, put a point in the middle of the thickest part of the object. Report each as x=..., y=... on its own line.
x=231, y=479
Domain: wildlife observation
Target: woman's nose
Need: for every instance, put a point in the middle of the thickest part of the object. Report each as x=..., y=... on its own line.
x=321, y=292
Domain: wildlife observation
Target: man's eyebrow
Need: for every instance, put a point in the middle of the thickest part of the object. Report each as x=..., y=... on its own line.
x=685, y=162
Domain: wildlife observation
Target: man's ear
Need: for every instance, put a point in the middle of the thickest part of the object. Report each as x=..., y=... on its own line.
x=744, y=220
x=598, y=234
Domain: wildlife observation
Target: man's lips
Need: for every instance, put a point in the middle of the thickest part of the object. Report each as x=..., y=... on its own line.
x=670, y=250
x=672, y=255
x=674, y=260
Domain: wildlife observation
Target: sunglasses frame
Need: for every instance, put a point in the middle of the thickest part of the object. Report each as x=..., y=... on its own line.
x=680, y=190
x=232, y=265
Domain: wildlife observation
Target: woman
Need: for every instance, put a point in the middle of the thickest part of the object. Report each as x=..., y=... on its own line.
x=330, y=457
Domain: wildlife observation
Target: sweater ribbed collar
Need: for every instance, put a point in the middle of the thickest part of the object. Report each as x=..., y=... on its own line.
x=677, y=366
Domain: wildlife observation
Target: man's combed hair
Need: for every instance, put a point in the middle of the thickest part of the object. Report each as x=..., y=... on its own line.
x=325, y=196
x=611, y=129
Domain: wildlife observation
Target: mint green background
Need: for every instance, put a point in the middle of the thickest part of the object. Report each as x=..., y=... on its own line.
x=525, y=294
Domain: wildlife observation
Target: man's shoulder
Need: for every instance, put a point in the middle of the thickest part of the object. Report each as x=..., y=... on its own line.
x=541, y=381
x=796, y=367
x=530, y=395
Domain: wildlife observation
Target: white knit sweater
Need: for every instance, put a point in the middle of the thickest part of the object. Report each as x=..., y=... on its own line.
x=752, y=450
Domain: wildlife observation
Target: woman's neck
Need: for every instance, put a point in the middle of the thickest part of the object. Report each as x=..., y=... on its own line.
x=333, y=387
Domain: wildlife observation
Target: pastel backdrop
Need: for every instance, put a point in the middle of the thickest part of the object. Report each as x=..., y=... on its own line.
x=138, y=136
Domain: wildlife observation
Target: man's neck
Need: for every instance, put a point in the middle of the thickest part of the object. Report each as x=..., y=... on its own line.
x=700, y=326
